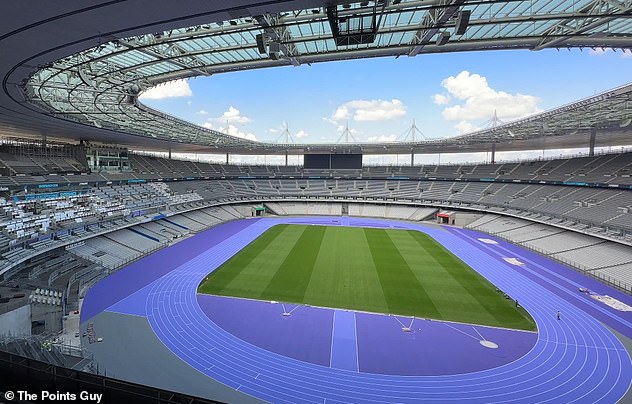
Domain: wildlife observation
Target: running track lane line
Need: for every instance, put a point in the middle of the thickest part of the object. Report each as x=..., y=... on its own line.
x=578, y=359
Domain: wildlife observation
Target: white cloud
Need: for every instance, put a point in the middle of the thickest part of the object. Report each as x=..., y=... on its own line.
x=441, y=99
x=329, y=120
x=342, y=112
x=232, y=130
x=176, y=88
x=339, y=128
x=370, y=110
x=598, y=51
x=464, y=127
x=342, y=128
x=235, y=131
x=278, y=129
x=625, y=53
x=479, y=101
x=233, y=115
x=451, y=158
x=202, y=112
x=466, y=85
x=381, y=159
x=259, y=160
x=382, y=138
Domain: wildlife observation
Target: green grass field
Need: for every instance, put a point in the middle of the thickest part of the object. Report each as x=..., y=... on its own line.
x=376, y=270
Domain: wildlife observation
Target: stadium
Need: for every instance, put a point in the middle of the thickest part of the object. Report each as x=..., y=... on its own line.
x=336, y=271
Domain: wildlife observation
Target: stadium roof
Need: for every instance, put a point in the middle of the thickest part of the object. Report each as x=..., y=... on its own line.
x=75, y=70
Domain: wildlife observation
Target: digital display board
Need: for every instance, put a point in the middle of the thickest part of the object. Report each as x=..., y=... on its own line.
x=332, y=161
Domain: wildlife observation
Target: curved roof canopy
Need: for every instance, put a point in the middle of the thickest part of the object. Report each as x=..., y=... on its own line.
x=97, y=89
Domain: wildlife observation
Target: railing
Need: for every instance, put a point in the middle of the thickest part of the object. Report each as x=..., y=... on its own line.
x=19, y=372
x=39, y=347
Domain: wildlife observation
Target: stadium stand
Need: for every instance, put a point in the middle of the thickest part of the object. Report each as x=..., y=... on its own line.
x=119, y=216
x=72, y=214
x=606, y=168
x=600, y=258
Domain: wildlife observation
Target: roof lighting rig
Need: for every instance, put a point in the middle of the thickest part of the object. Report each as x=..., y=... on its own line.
x=355, y=23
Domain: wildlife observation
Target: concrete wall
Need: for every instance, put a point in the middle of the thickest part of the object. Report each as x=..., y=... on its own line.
x=465, y=218
x=16, y=322
x=46, y=318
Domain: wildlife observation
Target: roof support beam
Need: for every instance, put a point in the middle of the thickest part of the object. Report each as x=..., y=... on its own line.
x=98, y=86
x=274, y=28
x=171, y=51
x=592, y=17
x=435, y=19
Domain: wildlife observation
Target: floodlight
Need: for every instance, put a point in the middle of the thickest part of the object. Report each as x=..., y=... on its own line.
x=260, y=43
x=443, y=38
x=462, y=21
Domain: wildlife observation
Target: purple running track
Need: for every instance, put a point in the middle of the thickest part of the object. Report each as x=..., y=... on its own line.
x=576, y=359
x=304, y=335
x=366, y=342
x=141, y=273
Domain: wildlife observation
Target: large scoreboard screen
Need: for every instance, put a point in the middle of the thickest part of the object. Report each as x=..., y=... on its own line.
x=332, y=161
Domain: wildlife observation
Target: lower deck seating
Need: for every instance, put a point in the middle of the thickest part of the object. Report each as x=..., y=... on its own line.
x=605, y=259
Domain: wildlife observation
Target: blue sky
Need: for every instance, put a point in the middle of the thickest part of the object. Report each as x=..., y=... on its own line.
x=446, y=94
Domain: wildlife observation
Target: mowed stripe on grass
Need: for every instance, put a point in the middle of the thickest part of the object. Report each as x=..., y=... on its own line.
x=460, y=293
x=254, y=265
x=346, y=278
x=290, y=280
x=377, y=270
x=403, y=291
